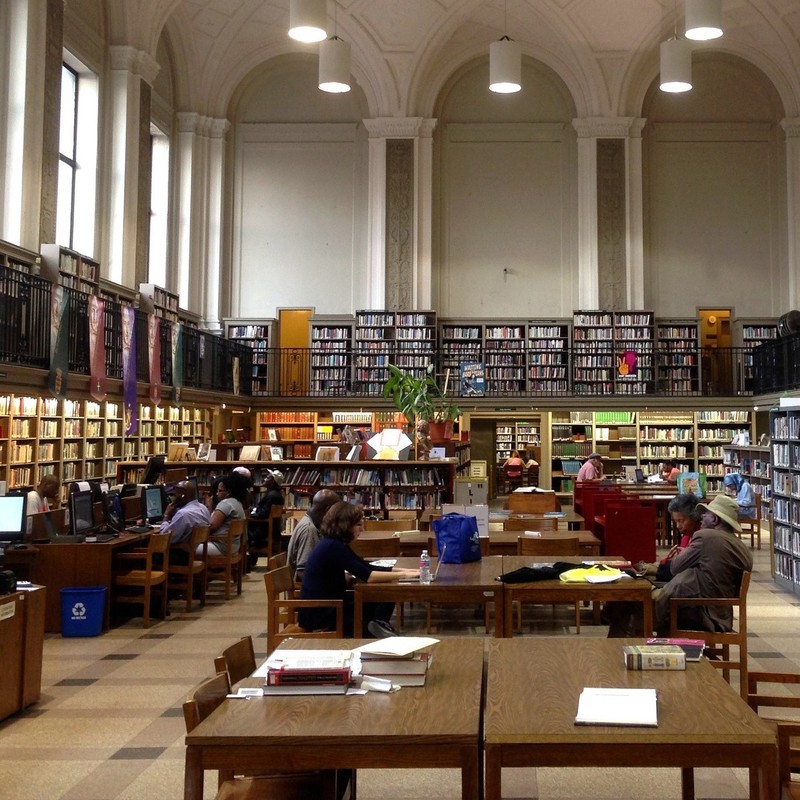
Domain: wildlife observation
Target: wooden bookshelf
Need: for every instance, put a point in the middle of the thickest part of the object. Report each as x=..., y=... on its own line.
x=157, y=300
x=505, y=358
x=71, y=269
x=678, y=356
x=374, y=343
x=593, y=346
x=634, y=347
x=749, y=334
x=18, y=258
x=715, y=429
x=414, y=341
x=257, y=334
x=548, y=357
x=785, y=487
x=460, y=342
x=616, y=440
x=331, y=356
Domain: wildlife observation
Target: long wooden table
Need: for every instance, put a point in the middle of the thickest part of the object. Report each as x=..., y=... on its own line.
x=435, y=726
x=556, y=591
x=702, y=721
x=456, y=583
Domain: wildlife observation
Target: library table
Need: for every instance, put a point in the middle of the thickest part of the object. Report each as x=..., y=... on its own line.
x=567, y=516
x=430, y=727
x=466, y=584
x=556, y=591
x=702, y=721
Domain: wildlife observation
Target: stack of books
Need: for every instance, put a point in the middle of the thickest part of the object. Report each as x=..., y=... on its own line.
x=400, y=660
x=654, y=656
x=692, y=647
x=308, y=672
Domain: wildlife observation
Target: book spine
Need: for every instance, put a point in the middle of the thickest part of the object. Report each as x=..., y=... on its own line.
x=309, y=677
x=642, y=661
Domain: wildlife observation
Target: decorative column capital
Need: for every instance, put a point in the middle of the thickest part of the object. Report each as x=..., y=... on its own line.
x=791, y=125
x=399, y=127
x=187, y=121
x=137, y=62
x=218, y=127
x=609, y=127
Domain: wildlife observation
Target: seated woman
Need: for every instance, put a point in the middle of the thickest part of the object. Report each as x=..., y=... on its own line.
x=736, y=486
x=332, y=565
x=231, y=497
x=512, y=468
x=670, y=471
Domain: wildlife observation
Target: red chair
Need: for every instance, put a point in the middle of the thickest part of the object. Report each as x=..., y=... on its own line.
x=591, y=496
x=630, y=531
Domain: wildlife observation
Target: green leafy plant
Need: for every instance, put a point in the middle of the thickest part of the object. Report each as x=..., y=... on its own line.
x=419, y=397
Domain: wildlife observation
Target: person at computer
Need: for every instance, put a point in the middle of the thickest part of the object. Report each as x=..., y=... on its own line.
x=306, y=533
x=333, y=566
x=39, y=499
x=669, y=471
x=258, y=533
x=184, y=513
x=231, y=497
x=591, y=469
x=711, y=566
x=737, y=486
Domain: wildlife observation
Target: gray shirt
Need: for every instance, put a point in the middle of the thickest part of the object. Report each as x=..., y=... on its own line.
x=184, y=519
x=304, y=538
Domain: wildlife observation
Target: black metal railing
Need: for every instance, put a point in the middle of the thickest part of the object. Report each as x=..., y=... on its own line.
x=776, y=365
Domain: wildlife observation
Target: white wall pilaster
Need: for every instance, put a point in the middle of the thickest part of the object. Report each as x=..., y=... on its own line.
x=376, y=216
x=792, y=128
x=634, y=199
x=588, y=279
x=423, y=181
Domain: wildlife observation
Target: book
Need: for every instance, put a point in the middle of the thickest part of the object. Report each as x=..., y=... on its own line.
x=401, y=671
x=604, y=706
x=654, y=656
x=305, y=688
x=305, y=666
x=395, y=646
x=316, y=677
x=693, y=648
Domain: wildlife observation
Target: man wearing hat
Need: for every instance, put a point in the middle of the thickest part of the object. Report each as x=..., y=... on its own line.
x=592, y=469
x=271, y=496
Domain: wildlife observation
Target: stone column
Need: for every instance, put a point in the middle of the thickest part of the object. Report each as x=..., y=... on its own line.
x=132, y=73
x=792, y=128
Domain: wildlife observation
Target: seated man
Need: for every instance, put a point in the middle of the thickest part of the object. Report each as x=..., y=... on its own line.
x=307, y=532
x=258, y=534
x=184, y=513
x=710, y=566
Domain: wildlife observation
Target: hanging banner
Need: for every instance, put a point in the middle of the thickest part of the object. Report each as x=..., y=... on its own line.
x=177, y=363
x=236, y=375
x=59, y=341
x=97, y=347
x=129, y=370
x=154, y=342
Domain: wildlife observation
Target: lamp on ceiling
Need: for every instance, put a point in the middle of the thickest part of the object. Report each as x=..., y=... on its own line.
x=307, y=20
x=334, y=65
x=676, y=65
x=703, y=19
x=505, y=62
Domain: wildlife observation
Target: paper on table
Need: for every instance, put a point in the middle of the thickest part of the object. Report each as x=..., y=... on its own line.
x=617, y=707
x=304, y=659
x=397, y=645
x=384, y=562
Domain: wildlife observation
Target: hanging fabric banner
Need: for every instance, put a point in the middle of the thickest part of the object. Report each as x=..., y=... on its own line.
x=129, y=370
x=177, y=363
x=97, y=347
x=154, y=342
x=59, y=341
x=236, y=375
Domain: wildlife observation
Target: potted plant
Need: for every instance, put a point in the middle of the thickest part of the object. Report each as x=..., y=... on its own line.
x=420, y=398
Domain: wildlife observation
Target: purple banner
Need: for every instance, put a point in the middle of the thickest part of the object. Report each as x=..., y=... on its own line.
x=97, y=347
x=129, y=370
x=154, y=342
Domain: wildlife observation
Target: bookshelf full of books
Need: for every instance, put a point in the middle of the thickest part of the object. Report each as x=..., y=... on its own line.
x=414, y=341
x=616, y=440
x=572, y=442
x=331, y=356
x=665, y=435
x=71, y=269
x=678, y=356
x=784, y=423
x=714, y=430
x=257, y=334
x=634, y=352
x=372, y=351
x=749, y=334
x=548, y=357
x=460, y=344
x=505, y=358
x=593, y=359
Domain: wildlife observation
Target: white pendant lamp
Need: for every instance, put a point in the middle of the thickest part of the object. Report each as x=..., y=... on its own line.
x=505, y=66
x=703, y=19
x=334, y=65
x=676, y=66
x=307, y=20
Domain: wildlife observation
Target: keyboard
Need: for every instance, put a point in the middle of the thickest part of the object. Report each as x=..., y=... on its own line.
x=139, y=529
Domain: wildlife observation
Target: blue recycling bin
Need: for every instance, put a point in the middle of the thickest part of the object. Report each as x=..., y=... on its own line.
x=82, y=610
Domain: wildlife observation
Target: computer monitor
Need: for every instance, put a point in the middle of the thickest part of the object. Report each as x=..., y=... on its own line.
x=153, y=502
x=639, y=473
x=81, y=513
x=113, y=512
x=154, y=468
x=13, y=522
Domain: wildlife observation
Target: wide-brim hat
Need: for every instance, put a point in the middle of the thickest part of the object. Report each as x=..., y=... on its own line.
x=594, y=455
x=277, y=476
x=726, y=508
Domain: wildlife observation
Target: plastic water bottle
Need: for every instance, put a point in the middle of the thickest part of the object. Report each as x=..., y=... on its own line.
x=424, y=567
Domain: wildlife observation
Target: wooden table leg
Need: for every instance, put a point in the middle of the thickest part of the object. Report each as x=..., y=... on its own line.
x=493, y=773
x=193, y=775
x=358, y=610
x=687, y=783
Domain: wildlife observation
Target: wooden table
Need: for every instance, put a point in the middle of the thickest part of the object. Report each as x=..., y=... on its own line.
x=702, y=721
x=555, y=591
x=568, y=517
x=456, y=583
x=435, y=726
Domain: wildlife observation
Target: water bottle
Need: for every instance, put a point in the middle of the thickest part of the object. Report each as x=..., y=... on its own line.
x=424, y=567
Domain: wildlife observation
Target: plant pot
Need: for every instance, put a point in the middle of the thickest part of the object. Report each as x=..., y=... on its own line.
x=441, y=431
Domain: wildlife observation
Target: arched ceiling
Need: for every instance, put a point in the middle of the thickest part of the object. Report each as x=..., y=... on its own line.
x=606, y=51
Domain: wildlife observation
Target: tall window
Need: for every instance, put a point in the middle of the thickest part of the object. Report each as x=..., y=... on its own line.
x=77, y=157
x=159, y=207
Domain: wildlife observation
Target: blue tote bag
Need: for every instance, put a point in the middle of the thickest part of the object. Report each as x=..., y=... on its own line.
x=457, y=538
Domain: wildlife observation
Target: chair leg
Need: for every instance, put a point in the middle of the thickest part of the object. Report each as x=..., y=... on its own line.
x=146, y=608
x=203, y=585
x=577, y=617
x=188, y=587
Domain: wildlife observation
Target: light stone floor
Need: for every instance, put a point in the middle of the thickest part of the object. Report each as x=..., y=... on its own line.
x=109, y=724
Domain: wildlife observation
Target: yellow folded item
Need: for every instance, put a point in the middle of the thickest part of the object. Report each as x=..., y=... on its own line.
x=594, y=574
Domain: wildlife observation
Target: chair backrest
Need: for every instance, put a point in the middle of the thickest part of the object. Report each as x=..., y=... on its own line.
x=630, y=531
x=542, y=546
x=204, y=699
x=386, y=525
x=721, y=640
x=384, y=546
x=238, y=660
x=236, y=531
x=406, y=515
x=158, y=545
x=527, y=524
x=278, y=560
x=199, y=538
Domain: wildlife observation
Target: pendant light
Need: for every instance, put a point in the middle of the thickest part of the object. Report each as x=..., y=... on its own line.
x=307, y=20
x=334, y=62
x=505, y=62
x=676, y=66
x=703, y=19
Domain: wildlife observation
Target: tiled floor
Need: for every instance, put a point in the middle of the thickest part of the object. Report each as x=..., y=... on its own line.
x=109, y=725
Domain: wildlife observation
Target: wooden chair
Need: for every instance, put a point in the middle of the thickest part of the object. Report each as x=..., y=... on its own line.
x=630, y=531
x=752, y=526
x=230, y=566
x=535, y=546
x=719, y=644
x=182, y=576
x=282, y=607
x=385, y=547
x=238, y=660
x=278, y=560
x=386, y=525
x=272, y=786
x=136, y=584
x=528, y=524
x=784, y=694
x=408, y=516
x=275, y=513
